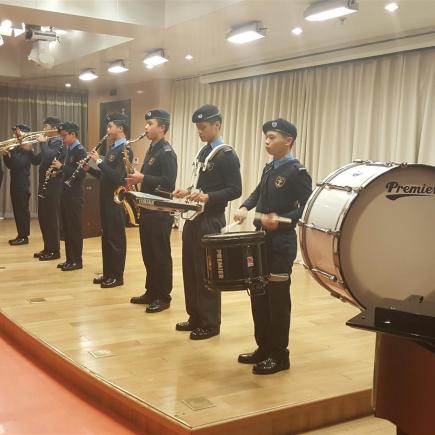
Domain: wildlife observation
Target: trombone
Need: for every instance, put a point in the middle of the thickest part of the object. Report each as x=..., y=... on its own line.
x=25, y=139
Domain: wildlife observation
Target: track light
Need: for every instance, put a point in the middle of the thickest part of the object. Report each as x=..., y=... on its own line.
x=154, y=58
x=118, y=66
x=88, y=74
x=326, y=9
x=246, y=33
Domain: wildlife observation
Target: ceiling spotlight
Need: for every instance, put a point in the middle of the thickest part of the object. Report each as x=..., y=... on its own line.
x=297, y=31
x=154, y=58
x=391, y=7
x=118, y=66
x=188, y=57
x=246, y=33
x=67, y=85
x=326, y=9
x=88, y=74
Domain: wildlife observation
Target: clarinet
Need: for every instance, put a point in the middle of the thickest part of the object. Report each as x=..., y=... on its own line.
x=82, y=163
x=49, y=173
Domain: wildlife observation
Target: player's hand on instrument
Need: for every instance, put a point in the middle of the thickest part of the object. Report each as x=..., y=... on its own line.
x=270, y=221
x=180, y=193
x=94, y=155
x=240, y=214
x=56, y=164
x=84, y=165
x=41, y=138
x=134, y=178
x=197, y=197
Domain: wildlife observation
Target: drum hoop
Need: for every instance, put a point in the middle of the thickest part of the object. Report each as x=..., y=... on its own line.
x=235, y=239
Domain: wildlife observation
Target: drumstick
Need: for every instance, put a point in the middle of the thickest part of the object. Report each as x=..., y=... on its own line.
x=229, y=227
x=280, y=219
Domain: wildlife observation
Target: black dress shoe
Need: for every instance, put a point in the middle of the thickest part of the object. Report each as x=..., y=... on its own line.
x=112, y=282
x=142, y=299
x=253, y=357
x=38, y=254
x=12, y=240
x=270, y=365
x=72, y=266
x=157, y=305
x=49, y=256
x=203, y=333
x=185, y=326
x=19, y=241
x=99, y=279
x=60, y=265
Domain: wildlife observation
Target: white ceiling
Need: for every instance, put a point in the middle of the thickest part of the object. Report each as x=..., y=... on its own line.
x=105, y=30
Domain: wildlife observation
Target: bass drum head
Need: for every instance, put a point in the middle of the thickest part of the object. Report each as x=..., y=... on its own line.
x=387, y=242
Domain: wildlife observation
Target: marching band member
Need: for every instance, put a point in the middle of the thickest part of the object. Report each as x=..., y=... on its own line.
x=49, y=191
x=18, y=160
x=158, y=170
x=111, y=172
x=283, y=191
x=218, y=183
x=72, y=197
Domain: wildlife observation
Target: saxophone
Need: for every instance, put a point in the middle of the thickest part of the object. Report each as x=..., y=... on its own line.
x=119, y=193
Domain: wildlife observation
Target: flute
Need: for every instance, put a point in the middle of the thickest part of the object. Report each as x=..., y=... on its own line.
x=84, y=162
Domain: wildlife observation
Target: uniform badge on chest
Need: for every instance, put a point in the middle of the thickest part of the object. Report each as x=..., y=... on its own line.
x=111, y=157
x=151, y=161
x=279, y=182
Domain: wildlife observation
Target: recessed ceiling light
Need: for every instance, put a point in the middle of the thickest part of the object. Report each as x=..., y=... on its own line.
x=188, y=57
x=326, y=9
x=246, y=33
x=67, y=85
x=391, y=7
x=140, y=91
x=88, y=74
x=118, y=66
x=154, y=58
x=297, y=31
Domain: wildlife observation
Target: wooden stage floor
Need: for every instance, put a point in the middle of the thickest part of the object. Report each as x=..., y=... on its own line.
x=169, y=375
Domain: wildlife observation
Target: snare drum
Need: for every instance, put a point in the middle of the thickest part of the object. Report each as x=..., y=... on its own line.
x=236, y=261
x=367, y=232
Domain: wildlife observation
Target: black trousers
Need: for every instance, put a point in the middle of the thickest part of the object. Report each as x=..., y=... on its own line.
x=155, y=240
x=71, y=212
x=20, y=206
x=49, y=217
x=113, y=240
x=202, y=305
x=271, y=311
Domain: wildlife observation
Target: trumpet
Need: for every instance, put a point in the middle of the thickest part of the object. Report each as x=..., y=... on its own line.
x=119, y=192
x=24, y=138
x=85, y=161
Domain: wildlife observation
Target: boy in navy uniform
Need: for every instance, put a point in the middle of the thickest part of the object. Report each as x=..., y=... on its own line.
x=159, y=170
x=72, y=197
x=49, y=199
x=219, y=183
x=111, y=172
x=18, y=160
x=283, y=191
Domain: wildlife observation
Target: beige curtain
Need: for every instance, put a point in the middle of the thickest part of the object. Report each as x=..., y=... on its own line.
x=379, y=109
x=31, y=106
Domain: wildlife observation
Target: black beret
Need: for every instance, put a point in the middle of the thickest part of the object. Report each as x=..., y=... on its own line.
x=52, y=120
x=208, y=112
x=158, y=114
x=23, y=127
x=69, y=126
x=282, y=126
x=117, y=117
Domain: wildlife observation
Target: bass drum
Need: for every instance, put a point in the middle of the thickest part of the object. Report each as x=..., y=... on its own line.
x=366, y=232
